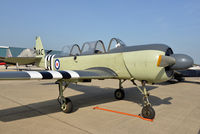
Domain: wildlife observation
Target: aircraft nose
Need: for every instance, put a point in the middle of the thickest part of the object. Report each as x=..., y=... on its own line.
x=182, y=62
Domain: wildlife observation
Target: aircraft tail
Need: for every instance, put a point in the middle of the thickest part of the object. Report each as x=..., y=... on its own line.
x=8, y=53
x=39, y=48
x=40, y=53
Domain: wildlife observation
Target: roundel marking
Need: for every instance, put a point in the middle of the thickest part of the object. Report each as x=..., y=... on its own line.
x=57, y=64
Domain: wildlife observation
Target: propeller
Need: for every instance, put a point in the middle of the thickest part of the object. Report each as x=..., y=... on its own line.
x=175, y=61
x=164, y=61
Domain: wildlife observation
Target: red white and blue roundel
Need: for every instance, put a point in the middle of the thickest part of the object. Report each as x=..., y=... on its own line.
x=57, y=64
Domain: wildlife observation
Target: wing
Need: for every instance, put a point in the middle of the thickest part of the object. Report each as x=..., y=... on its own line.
x=93, y=73
x=20, y=60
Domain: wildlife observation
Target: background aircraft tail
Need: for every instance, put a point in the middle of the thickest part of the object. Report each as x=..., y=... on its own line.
x=8, y=53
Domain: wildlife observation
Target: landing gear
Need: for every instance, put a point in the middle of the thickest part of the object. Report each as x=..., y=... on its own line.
x=65, y=103
x=147, y=110
x=6, y=66
x=66, y=106
x=119, y=93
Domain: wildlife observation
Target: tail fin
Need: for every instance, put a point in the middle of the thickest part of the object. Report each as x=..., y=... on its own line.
x=39, y=48
x=40, y=53
x=8, y=53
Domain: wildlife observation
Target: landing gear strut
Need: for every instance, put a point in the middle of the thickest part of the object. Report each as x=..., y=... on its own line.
x=119, y=93
x=67, y=106
x=147, y=110
x=65, y=103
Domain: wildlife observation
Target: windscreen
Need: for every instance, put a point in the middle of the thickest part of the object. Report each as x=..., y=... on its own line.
x=75, y=50
x=115, y=43
x=65, y=51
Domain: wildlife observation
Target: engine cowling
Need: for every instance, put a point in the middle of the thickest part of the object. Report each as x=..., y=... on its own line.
x=155, y=66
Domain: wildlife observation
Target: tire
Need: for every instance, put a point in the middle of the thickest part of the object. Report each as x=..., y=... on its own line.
x=148, y=112
x=67, y=107
x=119, y=94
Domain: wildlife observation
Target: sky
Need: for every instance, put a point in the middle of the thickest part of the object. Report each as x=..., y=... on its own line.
x=136, y=22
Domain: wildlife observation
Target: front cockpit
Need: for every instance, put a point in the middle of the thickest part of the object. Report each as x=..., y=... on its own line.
x=75, y=50
x=115, y=43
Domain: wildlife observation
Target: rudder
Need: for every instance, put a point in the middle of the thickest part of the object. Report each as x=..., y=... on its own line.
x=39, y=48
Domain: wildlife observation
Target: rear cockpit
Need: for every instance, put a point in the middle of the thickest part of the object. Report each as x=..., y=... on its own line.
x=92, y=47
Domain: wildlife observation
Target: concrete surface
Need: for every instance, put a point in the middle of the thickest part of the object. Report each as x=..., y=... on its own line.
x=31, y=107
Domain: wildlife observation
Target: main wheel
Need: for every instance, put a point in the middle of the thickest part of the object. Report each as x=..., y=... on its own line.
x=148, y=112
x=119, y=94
x=67, y=106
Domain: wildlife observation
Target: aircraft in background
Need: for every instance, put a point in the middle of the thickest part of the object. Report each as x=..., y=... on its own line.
x=8, y=54
x=180, y=75
x=2, y=63
x=149, y=64
x=26, y=57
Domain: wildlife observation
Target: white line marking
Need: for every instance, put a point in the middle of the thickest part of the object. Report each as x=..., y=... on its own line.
x=48, y=62
x=34, y=74
x=56, y=75
x=52, y=65
x=73, y=73
x=45, y=61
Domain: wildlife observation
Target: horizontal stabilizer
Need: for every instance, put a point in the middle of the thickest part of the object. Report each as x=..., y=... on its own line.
x=20, y=60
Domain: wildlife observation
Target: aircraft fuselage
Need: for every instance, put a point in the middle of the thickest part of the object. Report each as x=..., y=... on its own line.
x=127, y=64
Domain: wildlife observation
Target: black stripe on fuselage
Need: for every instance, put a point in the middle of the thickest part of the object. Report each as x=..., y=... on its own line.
x=50, y=62
x=46, y=75
x=65, y=74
